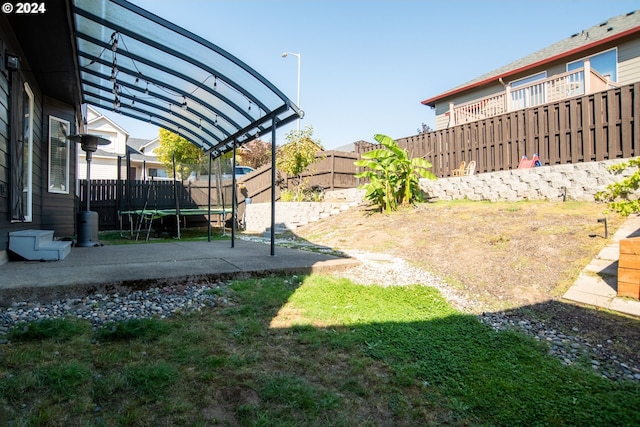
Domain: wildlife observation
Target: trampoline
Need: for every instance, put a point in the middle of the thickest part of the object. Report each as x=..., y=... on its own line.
x=149, y=215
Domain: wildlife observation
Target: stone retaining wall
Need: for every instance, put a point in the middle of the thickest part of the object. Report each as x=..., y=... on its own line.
x=578, y=181
x=290, y=215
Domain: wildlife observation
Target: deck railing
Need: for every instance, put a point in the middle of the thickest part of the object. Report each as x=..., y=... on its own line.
x=552, y=89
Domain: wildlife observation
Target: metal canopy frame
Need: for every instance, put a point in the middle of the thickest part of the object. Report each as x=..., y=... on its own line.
x=139, y=65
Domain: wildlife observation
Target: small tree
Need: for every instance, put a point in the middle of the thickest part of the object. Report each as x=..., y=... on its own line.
x=394, y=177
x=618, y=195
x=187, y=155
x=256, y=153
x=295, y=157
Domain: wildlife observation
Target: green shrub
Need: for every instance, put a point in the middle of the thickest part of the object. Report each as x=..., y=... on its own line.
x=620, y=195
x=394, y=177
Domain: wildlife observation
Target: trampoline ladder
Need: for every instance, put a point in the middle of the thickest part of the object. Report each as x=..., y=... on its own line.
x=147, y=218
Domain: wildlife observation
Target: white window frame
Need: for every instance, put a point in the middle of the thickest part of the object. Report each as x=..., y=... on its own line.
x=590, y=57
x=54, y=187
x=529, y=79
x=28, y=124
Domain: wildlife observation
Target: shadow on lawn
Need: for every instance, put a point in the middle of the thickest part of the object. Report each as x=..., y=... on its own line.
x=438, y=366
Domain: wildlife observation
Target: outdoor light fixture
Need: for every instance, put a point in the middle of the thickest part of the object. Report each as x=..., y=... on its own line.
x=606, y=229
x=284, y=55
x=12, y=62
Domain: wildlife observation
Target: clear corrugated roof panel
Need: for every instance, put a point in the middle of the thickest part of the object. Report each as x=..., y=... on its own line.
x=142, y=66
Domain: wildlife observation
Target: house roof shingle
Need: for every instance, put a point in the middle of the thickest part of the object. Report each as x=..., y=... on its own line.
x=609, y=30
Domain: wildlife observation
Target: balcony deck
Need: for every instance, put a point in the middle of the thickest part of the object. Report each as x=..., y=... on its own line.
x=552, y=89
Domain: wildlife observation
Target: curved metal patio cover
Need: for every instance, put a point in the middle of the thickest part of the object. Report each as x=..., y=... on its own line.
x=142, y=66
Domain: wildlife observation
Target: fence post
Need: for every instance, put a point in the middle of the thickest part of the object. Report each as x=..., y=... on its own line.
x=452, y=115
x=333, y=169
x=587, y=76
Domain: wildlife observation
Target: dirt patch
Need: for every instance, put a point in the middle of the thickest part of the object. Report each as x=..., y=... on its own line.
x=512, y=257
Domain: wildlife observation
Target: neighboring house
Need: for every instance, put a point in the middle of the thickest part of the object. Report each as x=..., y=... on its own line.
x=604, y=56
x=143, y=163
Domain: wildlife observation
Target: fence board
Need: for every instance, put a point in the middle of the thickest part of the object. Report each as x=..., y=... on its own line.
x=601, y=150
x=614, y=121
x=635, y=91
x=626, y=123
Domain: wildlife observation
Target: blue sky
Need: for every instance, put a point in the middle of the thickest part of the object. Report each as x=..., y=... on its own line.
x=367, y=65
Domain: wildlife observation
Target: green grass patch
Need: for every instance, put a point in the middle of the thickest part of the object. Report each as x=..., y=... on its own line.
x=54, y=329
x=186, y=234
x=142, y=329
x=312, y=351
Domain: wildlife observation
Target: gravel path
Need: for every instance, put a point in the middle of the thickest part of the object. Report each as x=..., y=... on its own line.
x=376, y=269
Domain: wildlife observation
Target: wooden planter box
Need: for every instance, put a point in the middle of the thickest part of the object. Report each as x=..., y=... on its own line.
x=629, y=268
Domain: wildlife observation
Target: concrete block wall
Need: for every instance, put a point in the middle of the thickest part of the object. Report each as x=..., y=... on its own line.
x=580, y=181
x=293, y=214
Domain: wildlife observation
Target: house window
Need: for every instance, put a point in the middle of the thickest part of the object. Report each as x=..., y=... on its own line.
x=157, y=173
x=530, y=79
x=58, y=155
x=27, y=171
x=21, y=150
x=604, y=63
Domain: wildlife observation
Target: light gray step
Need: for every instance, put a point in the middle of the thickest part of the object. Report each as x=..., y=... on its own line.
x=38, y=245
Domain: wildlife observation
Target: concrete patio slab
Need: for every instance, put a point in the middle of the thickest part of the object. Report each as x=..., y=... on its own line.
x=103, y=268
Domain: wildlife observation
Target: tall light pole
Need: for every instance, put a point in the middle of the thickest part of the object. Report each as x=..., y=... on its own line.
x=284, y=55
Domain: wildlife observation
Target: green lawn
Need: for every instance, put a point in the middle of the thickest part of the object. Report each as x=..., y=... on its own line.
x=301, y=351
x=127, y=237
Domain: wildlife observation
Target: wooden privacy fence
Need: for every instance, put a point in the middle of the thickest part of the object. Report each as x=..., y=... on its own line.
x=334, y=170
x=595, y=127
x=108, y=197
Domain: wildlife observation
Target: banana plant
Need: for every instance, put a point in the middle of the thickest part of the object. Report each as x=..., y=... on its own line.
x=394, y=177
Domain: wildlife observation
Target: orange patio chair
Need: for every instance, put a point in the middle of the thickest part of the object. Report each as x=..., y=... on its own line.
x=461, y=170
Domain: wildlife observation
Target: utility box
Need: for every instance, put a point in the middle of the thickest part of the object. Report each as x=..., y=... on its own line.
x=629, y=268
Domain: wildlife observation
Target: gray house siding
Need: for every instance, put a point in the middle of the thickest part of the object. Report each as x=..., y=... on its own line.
x=629, y=62
x=49, y=211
